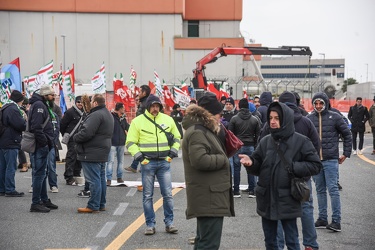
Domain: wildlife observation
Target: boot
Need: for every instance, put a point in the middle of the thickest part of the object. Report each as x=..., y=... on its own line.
x=25, y=167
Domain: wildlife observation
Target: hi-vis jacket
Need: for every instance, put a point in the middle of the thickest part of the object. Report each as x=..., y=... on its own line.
x=145, y=138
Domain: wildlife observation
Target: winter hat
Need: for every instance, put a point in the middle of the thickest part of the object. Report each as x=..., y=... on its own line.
x=176, y=106
x=16, y=96
x=151, y=99
x=298, y=98
x=287, y=97
x=210, y=103
x=230, y=99
x=252, y=107
x=223, y=98
x=279, y=111
x=78, y=98
x=243, y=104
x=46, y=90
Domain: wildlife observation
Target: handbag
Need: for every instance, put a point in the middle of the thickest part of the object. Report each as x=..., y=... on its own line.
x=28, y=143
x=169, y=135
x=66, y=137
x=232, y=143
x=298, y=186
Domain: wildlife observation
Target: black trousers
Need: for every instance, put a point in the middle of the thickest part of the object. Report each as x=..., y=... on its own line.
x=361, y=137
x=73, y=167
x=209, y=230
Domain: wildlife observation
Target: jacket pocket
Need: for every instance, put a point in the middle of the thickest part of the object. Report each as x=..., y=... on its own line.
x=220, y=196
x=263, y=201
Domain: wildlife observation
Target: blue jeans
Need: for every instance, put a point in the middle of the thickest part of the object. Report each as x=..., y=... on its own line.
x=8, y=166
x=270, y=233
x=51, y=170
x=119, y=152
x=95, y=177
x=39, y=162
x=247, y=150
x=327, y=179
x=162, y=171
x=134, y=164
x=308, y=226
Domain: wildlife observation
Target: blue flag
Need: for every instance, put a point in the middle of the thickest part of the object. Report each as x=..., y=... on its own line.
x=11, y=76
x=62, y=102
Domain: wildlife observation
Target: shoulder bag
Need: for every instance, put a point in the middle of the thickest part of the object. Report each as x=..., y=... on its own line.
x=169, y=135
x=232, y=143
x=28, y=142
x=298, y=187
x=66, y=136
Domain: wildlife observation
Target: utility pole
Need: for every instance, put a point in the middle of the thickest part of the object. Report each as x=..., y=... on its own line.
x=63, y=37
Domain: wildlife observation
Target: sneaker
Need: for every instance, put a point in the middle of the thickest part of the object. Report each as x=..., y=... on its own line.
x=39, y=208
x=339, y=186
x=14, y=194
x=102, y=209
x=171, y=229
x=150, y=231
x=54, y=189
x=191, y=240
x=130, y=169
x=71, y=182
x=84, y=194
x=86, y=210
x=49, y=204
x=109, y=182
x=252, y=194
x=120, y=180
x=334, y=226
x=360, y=152
x=321, y=223
x=31, y=190
x=245, y=190
x=354, y=152
x=236, y=194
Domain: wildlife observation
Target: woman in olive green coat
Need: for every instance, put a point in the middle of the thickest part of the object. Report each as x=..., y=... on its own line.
x=207, y=172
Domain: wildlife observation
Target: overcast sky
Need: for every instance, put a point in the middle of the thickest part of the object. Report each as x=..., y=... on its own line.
x=337, y=28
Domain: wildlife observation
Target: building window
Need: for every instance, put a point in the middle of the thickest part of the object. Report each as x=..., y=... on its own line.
x=193, y=28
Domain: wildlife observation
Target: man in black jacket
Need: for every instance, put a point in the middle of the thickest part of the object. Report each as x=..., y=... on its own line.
x=93, y=143
x=358, y=116
x=330, y=126
x=247, y=128
x=68, y=123
x=13, y=119
x=41, y=111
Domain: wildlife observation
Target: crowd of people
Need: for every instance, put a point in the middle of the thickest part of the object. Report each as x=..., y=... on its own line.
x=276, y=135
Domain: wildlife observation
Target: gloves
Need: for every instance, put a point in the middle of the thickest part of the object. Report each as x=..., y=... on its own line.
x=172, y=154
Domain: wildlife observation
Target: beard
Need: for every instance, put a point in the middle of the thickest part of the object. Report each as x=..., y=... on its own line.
x=50, y=102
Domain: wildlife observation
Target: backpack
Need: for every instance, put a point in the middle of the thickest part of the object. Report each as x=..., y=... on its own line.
x=2, y=126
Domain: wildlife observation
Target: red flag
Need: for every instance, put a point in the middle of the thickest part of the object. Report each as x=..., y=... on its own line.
x=185, y=88
x=72, y=78
x=211, y=88
x=120, y=92
x=168, y=98
x=152, y=87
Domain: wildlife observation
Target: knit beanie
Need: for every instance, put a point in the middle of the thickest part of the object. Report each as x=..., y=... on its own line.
x=46, y=90
x=223, y=98
x=279, y=111
x=16, y=96
x=78, y=98
x=243, y=104
x=287, y=97
x=230, y=99
x=210, y=103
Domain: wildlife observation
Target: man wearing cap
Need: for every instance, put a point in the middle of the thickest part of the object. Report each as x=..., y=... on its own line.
x=177, y=116
x=372, y=124
x=149, y=144
x=41, y=111
x=69, y=121
x=358, y=116
x=330, y=126
x=13, y=119
x=223, y=100
x=207, y=171
x=229, y=110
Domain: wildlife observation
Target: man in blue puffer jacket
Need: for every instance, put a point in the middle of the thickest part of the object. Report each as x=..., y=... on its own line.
x=330, y=126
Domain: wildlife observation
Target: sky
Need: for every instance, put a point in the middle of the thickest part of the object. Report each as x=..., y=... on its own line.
x=336, y=28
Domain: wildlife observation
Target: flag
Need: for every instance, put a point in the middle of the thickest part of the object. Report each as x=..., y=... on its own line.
x=57, y=81
x=70, y=72
x=10, y=75
x=133, y=79
x=62, y=101
x=159, y=89
x=168, y=97
x=98, y=81
x=244, y=93
x=181, y=98
x=68, y=83
x=223, y=92
x=44, y=75
x=152, y=87
x=211, y=88
x=120, y=91
x=29, y=82
x=185, y=88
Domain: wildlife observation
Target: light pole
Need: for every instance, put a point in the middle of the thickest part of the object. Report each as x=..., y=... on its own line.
x=63, y=37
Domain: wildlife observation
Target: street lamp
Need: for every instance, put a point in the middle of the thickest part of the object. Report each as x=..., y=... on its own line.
x=63, y=37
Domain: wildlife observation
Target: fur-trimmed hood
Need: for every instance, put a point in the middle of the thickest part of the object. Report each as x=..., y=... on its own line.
x=197, y=115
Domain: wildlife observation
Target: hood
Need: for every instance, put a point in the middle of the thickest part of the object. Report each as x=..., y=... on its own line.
x=195, y=114
x=36, y=97
x=244, y=114
x=296, y=111
x=322, y=97
x=287, y=127
x=152, y=99
x=265, y=98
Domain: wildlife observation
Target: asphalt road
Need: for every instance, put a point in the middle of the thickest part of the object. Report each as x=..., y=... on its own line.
x=122, y=225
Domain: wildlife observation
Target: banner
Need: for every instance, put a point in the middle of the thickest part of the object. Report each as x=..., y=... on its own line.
x=98, y=81
x=181, y=98
x=10, y=76
x=168, y=98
